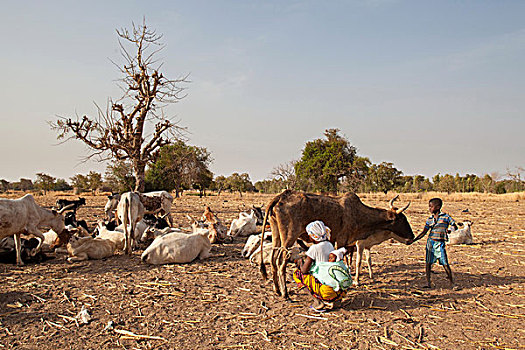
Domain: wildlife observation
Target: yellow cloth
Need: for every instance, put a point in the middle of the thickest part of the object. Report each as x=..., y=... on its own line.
x=316, y=288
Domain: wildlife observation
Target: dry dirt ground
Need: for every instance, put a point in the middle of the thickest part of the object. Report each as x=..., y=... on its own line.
x=222, y=302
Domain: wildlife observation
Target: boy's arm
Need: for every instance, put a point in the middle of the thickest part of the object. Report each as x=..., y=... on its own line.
x=425, y=230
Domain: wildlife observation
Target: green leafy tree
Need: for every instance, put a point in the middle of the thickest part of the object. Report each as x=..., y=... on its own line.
x=240, y=183
x=61, y=185
x=383, y=177
x=355, y=180
x=203, y=181
x=45, y=182
x=324, y=162
x=94, y=180
x=178, y=167
x=220, y=183
x=446, y=183
x=24, y=185
x=119, y=177
x=4, y=185
x=80, y=181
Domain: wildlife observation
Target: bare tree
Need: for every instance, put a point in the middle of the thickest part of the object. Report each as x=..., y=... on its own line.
x=134, y=127
x=286, y=173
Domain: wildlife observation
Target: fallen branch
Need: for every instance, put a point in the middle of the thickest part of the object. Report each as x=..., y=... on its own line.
x=137, y=336
x=314, y=317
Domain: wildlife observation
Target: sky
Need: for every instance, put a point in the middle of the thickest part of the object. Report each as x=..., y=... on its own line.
x=431, y=86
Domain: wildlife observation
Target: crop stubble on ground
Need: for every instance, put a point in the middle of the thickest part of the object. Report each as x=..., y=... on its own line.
x=222, y=303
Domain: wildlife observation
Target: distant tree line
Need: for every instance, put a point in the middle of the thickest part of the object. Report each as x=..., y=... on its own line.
x=327, y=165
x=332, y=165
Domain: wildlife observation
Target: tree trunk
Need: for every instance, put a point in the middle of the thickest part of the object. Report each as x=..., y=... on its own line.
x=139, y=170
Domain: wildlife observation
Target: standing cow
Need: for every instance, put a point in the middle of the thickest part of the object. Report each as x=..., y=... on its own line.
x=154, y=202
x=25, y=216
x=347, y=217
x=130, y=211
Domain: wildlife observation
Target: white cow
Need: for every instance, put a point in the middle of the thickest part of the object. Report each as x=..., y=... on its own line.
x=85, y=248
x=130, y=211
x=255, y=258
x=25, y=216
x=253, y=243
x=245, y=225
x=178, y=247
x=154, y=202
x=461, y=236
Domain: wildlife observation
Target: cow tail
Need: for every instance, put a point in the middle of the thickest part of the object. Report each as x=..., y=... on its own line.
x=269, y=211
x=125, y=221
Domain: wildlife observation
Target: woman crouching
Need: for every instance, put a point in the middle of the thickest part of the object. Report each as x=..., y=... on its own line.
x=322, y=271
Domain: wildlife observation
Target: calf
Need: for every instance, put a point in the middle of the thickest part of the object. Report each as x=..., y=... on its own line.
x=85, y=248
x=364, y=245
x=461, y=236
x=25, y=216
x=178, y=247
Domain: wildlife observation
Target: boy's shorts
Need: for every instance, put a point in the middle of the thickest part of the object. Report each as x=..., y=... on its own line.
x=435, y=250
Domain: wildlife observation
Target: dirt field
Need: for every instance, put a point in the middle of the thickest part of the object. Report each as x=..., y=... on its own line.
x=222, y=302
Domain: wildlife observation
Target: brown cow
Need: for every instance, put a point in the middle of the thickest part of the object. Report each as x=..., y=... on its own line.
x=347, y=217
x=217, y=229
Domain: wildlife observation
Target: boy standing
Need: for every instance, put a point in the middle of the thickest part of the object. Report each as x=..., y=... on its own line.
x=437, y=223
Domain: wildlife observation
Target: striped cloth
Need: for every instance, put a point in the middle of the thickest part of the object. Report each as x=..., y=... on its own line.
x=316, y=288
x=438, y=226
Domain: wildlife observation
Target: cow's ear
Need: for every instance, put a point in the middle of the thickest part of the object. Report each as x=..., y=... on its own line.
x=54, y=212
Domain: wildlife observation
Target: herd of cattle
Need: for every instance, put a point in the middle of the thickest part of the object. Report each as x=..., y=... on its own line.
x=145, y=218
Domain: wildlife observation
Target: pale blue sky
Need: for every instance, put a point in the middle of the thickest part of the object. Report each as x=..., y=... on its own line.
x=432, y=86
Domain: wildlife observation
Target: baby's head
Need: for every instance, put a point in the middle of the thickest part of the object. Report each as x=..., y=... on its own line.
x=336, y=255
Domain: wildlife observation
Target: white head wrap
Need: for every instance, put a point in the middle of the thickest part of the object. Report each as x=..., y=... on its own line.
x=339, y=253
x=318, y=231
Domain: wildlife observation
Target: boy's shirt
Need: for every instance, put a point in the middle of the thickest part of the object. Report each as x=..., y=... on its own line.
x=333, y=274
x=438, y=226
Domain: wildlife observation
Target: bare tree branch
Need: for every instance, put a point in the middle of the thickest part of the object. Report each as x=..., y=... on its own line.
x=119, y=131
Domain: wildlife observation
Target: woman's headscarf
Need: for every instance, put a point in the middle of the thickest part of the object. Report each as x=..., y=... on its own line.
x=318, y=231
x=339, y=253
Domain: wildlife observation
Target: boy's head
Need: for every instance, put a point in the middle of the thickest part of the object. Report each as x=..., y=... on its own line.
x=434, y=205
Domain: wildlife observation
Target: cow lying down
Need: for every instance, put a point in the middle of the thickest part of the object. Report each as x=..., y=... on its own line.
x=462, y=235
x=29, y=251
x=252, y=249
x=178, y=247
x=85, y=248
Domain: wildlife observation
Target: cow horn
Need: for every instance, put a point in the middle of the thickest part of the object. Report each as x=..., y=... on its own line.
x=190, y=218
x=392, y=202
x=65, y=208
x=399, y=211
